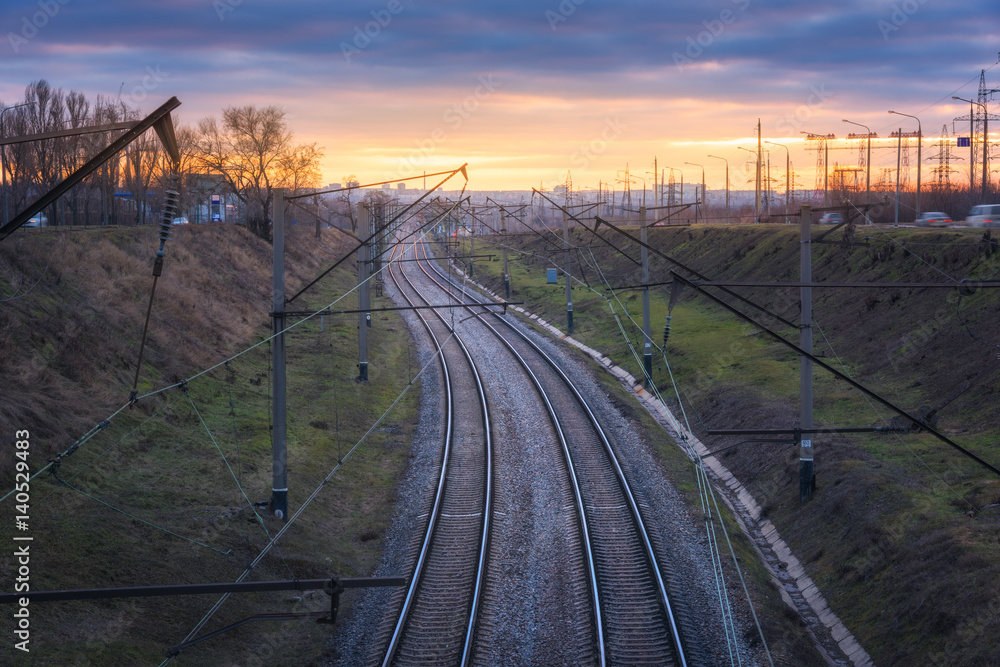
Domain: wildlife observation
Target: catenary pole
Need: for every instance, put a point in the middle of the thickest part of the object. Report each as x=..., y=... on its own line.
x=647, y=346
x=806, y=470
x=279, y=481
x=569, y=280
x=364, y=300
x=506, y=269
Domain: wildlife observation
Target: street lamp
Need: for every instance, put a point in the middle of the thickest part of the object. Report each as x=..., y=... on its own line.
x=985, y=178
x=702, y=207
x=727, y=183
x=788, y=171
x=868, y=166
x=643, y=188
x=920, y=141
x=3, y=159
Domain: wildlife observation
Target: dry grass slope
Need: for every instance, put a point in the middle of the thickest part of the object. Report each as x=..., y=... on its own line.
x=69, y=347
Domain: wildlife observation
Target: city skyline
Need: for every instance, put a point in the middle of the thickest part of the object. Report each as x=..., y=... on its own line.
x=526, y=92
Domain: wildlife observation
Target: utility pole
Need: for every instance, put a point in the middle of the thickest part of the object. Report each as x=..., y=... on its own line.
x=700, y=207
x=472, y=242
x=899, y=150
x=506, y=270
x=364, y=296
x=655, y=174
x=788, y=172
x=806, y=471
x=569, y=282
x=826, y=172
x=279, y=470
x=727, y=183
x=920, y=143
x=756, y=201
x=767, y=185
x=868, y=161
x=647, y=346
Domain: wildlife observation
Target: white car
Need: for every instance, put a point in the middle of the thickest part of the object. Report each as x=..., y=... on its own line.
x=832, y=218
x=180, y=221
x=984, y=215
x=37, y=221
x=932, y=219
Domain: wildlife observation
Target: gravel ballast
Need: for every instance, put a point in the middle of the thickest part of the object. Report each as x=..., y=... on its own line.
x=535, y=621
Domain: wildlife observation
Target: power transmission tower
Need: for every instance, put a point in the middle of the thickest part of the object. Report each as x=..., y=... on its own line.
x=862, y=157
x=942, y=172
x=822, y=161
x=979, y=118
x=626, y=181
x=905, y=160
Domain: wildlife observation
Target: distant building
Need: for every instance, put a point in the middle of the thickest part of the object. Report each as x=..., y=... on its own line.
x=385, y=186
x=400, y=186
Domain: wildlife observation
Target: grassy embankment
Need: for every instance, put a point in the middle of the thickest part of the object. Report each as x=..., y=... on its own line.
x=903, y=533
x=69, y=349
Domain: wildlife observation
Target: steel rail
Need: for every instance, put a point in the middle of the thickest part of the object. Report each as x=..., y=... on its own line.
x=487, y=510
x=612, y=456
x=574, y=479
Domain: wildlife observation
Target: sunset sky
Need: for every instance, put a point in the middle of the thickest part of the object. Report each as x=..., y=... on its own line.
x=525, y=91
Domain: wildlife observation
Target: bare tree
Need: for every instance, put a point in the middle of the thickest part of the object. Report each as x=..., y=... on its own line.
x=141, y=159
x=252, y=148
x=46, y=111
x=348, y=182
x=73, y=150
x=18, y=159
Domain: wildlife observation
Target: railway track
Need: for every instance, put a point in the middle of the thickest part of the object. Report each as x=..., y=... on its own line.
x=631, y=618
x=436, y=619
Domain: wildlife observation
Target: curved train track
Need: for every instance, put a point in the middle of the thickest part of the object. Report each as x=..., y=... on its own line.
x=436, y=621
x=631, y=620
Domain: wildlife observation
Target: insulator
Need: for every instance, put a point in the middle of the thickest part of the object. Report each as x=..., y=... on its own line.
x=170, y=203
x=666, y=331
